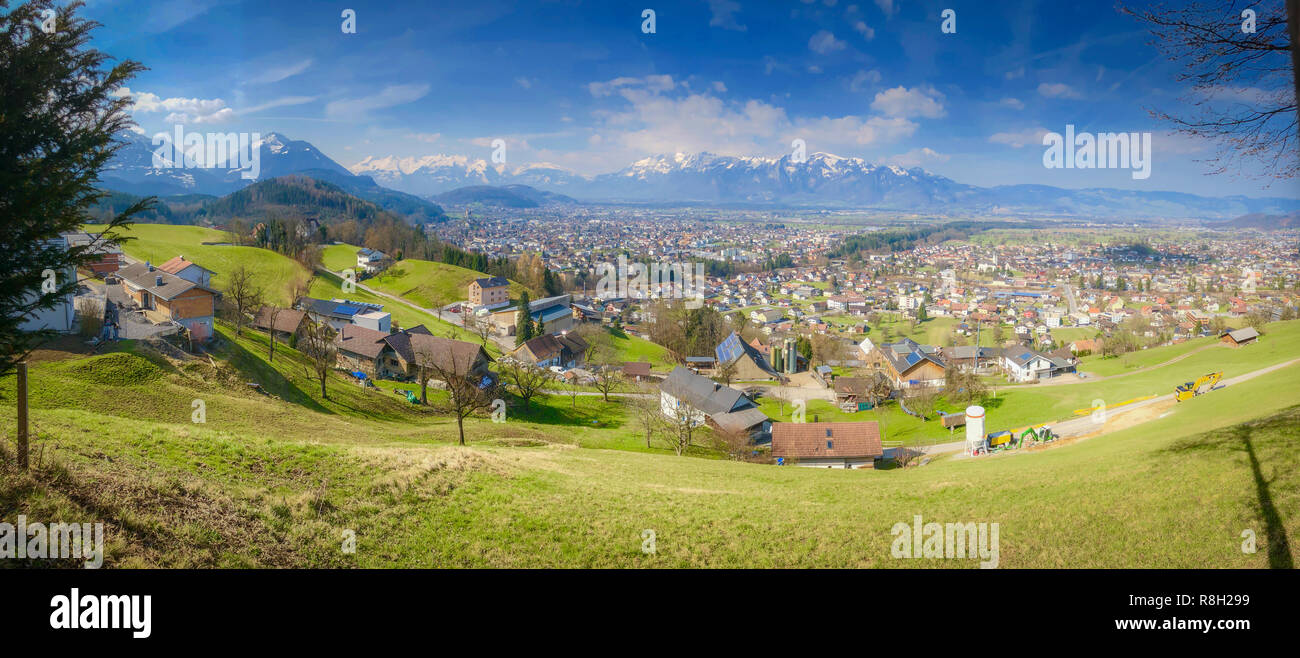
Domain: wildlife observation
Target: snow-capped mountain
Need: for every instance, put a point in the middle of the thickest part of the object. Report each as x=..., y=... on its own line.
x=132, y=168
x=822, y=179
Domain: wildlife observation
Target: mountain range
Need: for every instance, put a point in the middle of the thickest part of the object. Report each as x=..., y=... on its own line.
x=405, y=185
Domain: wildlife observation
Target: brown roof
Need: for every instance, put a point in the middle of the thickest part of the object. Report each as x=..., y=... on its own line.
x=810, y=440
x=636, y=369
x=177, y=264
x=442, y=353
x=360, y=340
x=286, y=319
x=171, y=285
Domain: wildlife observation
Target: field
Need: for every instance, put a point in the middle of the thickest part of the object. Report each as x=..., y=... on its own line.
x=159, y=243
x=277, y=482
x=330, y=286
x=424, y=283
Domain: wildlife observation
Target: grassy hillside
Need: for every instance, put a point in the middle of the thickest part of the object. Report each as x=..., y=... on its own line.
x=159, y=243
x=425, y=283
x=329, y=286
x=277, y=482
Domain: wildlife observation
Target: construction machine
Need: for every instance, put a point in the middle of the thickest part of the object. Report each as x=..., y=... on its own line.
x=1203, y=384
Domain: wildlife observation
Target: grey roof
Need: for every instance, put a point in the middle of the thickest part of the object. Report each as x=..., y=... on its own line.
x=737, y=421
x=1241, y=334
x=907, y=353
x=492, y=282
x=731, y=349
x=172, y=285
x=703, y=393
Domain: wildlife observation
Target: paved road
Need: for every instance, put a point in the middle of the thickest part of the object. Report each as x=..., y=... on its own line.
x=1075, y=427
x=1069, y=299
x=506, y=343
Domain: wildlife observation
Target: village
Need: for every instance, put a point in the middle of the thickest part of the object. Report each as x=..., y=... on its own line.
x=963, y=317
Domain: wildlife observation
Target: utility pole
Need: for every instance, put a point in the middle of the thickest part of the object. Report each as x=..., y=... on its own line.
x=22, y=415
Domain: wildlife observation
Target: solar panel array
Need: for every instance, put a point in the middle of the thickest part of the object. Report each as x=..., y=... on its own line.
x=730, y=349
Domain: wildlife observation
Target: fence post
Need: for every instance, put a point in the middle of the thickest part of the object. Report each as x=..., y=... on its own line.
x=22, y=415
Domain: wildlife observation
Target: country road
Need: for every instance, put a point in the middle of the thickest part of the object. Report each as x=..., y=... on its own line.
x=1084, y=425
x=454, y=319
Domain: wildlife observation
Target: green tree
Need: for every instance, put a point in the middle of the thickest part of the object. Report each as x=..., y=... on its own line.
x=59, y=113
x=523, y=321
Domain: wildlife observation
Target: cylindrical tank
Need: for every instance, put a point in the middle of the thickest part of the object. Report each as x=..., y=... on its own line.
x=974, y=426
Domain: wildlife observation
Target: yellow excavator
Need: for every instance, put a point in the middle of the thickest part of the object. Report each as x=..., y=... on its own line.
x=1203, y=384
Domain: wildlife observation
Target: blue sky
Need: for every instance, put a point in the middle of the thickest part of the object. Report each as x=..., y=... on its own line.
x=578, y=84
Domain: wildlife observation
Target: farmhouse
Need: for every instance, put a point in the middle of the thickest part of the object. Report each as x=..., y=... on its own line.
x=285, y=322
x=189, y=271
x=339, y=313
x=372, y=261
x=568, y=351
x=685, y=394
x=909, y=364
x=1025, y=365
x=1239, y=337
x=489, y=292
x=399, y=355
x=828, y=445
x=165, y=297
x=107, y=258
x=745, y=360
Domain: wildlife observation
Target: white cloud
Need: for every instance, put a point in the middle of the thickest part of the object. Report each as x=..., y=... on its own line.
x=524, y=82
x=279, y=102
x=724, y=15
x=427, y=138
x=903, y=102
x=719, y=86
x=652, y=83
x=667, y=118
x=865, y=30
x=1018, y=73
x=862, y=80
x=825, y=43
x=1013, y=103
x=888, y=7
x=278, y=73
x=1028, y=137
x=388, y=97
x=1058, y=90
x=179, y=110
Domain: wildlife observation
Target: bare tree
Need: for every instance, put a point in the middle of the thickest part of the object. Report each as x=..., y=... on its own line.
x=243, y=295
x=923, y=401
x=526, y=379
x=725, y=372
x=648, y=413
x=271, y=313
x=682, y=426
x=318, y=346
x=479, y=326
x=1243, y=84
x=608, y=378
x=465, y=396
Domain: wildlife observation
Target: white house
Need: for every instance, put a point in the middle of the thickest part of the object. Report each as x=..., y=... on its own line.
x=372, y=261
x=1026, y=365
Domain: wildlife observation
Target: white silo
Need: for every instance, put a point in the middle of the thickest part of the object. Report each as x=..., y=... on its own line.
x=974, y=428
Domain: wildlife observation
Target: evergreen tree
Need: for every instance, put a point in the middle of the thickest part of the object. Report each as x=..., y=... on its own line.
x=523, y=321
x=59, y=114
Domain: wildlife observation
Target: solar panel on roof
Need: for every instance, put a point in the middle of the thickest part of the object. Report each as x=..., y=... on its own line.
x=1024, y=356
x=344, y=309
x=913, y=358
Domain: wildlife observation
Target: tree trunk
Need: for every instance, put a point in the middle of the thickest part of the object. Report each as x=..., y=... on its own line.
x=424, y=388
x=460, y=427
x=323, y=394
